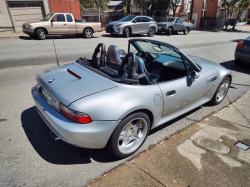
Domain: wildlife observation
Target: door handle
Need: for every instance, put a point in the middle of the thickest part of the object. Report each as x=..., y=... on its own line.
x=65, y=24
x=172, y=92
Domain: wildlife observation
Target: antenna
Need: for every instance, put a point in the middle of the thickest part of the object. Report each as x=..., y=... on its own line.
x=55, y=52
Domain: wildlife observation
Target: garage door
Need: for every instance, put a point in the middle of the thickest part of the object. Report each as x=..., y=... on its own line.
x=22, y=12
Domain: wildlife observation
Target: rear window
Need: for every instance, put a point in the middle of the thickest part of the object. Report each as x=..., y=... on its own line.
x=69, y=18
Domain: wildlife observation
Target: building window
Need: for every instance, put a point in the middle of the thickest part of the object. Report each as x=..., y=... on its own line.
x=17, y=4
x=33, y=4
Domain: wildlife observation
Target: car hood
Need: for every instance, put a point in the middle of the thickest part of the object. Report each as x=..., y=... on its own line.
x=34, y=22
x=203, y=63
x=67, y=88
x=115, y=22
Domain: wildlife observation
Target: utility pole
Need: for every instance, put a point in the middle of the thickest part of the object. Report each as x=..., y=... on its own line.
x=100, y=4
x=191, y=12
x=132, y=4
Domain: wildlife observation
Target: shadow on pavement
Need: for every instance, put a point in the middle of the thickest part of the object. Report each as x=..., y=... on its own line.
x=232, y=66
x=62, y=153
x=50, y=37
x=58, y=152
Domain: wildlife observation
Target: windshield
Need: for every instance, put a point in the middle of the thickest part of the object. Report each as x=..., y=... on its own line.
x=127, y=18
x=169, y=20
x=47, y=17
x=155, y=48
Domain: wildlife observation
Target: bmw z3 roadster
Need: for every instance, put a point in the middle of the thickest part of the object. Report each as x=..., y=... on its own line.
x=113, y=102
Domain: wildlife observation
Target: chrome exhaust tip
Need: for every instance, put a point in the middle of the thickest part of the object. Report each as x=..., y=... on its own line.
x=53, y=136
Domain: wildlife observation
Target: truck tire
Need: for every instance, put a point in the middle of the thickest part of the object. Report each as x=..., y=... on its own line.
x=170, y=31
x=40, y=34
x=186, y=31
x=126, y=33
x=88, y=33
x=151, y=32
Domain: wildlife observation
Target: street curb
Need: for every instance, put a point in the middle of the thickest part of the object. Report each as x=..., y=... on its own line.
x=160, y=142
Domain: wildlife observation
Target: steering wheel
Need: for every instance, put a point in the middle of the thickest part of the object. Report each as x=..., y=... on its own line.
x=145, y=57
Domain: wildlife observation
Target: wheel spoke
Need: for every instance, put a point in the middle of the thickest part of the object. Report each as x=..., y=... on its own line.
x=122, y=136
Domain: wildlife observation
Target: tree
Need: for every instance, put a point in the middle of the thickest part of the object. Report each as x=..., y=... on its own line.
x=174, y=4
x=92, y=4
x=230, y=5
x=127, y=3
x=143, y=5
x=244, y=4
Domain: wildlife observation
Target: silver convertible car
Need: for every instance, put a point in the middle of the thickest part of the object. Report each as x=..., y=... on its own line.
x=114, y=102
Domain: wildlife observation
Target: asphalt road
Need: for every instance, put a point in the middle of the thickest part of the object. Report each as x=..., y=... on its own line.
x=28, y=157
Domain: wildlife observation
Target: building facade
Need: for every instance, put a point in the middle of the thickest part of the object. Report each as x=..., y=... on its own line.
x=13, y=13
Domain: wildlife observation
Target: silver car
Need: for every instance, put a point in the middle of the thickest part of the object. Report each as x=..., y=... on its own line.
x=114, y=103
x=242, y=52
x=133, y=25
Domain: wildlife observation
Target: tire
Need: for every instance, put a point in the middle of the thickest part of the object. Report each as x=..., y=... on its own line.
x=40, y=34
x=215, y=100
x=129, y=135
x=238, y=62
x=186, y=31
x=151, y=32
x=170, y=30
x=126, y=33
x=88, y=33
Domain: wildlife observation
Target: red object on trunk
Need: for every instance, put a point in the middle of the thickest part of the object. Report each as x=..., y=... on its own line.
x=72, y=73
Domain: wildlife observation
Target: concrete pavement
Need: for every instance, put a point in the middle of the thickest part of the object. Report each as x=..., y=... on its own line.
x=28, y=156
x=203, y=154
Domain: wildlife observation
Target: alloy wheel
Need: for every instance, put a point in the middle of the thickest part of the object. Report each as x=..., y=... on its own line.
x=132, y=135
x=222, y=91
x=88, y=33
x=42, y=34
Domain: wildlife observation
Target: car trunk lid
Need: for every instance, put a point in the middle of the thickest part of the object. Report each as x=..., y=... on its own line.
x=71, y=82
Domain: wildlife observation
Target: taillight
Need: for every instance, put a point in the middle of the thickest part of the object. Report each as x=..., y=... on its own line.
x=241, y=43
x=75, y=116
x=156, y=23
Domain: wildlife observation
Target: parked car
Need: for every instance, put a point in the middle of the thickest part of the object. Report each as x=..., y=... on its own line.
x=171, y=25
x=60, y=24
x=242, y=52
x=114, y=103
x=133, y=25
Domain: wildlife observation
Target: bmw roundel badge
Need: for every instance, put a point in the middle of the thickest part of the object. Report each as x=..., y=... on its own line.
x=51, y=80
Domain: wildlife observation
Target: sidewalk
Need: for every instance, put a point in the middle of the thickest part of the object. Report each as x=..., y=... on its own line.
x=204, y=154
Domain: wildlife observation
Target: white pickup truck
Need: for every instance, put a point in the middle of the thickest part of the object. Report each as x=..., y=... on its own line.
x=60, y=24
x=175, y=24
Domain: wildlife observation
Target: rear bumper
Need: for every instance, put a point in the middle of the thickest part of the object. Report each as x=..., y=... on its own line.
x=92, y=135
x=243, y=55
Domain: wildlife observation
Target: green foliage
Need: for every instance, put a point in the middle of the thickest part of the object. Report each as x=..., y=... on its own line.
x=92, y=4
x=248, y=21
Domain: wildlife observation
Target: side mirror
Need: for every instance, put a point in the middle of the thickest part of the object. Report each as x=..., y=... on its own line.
x=123, y=52
x=194, y=75
x=134, y=21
